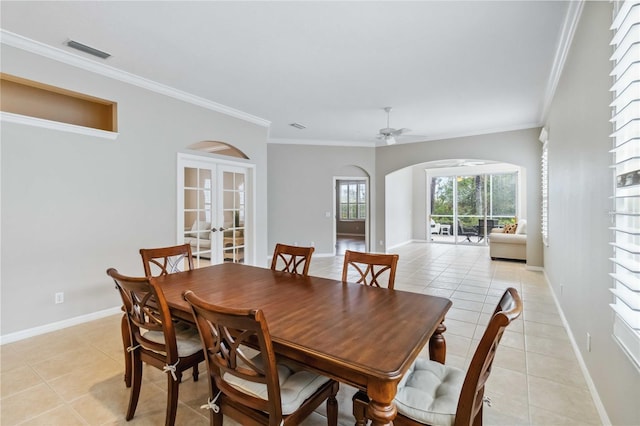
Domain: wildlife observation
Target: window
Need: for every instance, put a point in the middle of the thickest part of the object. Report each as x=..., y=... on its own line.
x=494, y=196
x=544, y=172
x=353, y=200
x=626, y=166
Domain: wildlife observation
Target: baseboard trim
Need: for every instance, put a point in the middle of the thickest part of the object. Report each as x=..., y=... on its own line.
x=604, y=417
x=36, y=331
x=535, y=268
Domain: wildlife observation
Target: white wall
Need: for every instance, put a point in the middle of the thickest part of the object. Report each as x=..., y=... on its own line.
x=301, y=180
x=580, y=184
x=74, y=205
x=399, y=207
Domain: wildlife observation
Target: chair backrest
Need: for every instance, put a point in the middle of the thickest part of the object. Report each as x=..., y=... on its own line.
x=491, y=223
x=471, y=396
x=226, y=334
x=293, y=259
x=166, y=260
x=371, y=267
x=147, y=311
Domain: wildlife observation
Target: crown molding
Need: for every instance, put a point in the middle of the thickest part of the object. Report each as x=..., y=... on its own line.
x=320, y=142
x=15, y=40
x=566, y=37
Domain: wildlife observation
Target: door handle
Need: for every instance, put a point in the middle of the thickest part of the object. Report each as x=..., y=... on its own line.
x=221, y=229
x=213, y=229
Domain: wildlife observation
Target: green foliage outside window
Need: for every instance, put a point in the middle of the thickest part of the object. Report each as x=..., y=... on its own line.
x=353, y=201
x=501, y=193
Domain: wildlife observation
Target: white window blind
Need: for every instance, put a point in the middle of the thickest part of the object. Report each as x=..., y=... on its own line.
x=544, y=172
x=626, y=164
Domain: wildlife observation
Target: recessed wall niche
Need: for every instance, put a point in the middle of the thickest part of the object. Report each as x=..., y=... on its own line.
x=33, y=99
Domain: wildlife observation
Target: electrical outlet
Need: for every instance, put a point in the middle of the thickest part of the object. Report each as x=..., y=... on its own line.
x=59, y=298
x=313, y=244
x=588, y=342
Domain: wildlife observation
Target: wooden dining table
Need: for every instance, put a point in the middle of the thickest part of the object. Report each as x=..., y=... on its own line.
x=364, y=336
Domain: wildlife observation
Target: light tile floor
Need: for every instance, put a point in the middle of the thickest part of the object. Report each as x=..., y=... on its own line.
x=74, y=376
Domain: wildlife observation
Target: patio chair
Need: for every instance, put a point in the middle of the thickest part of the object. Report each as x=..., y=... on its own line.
x=466, y=232
x=491, y=223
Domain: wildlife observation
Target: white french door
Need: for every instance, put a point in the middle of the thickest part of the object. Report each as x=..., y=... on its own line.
x=213, y=209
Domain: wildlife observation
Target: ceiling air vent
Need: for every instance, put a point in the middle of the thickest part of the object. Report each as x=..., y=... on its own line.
x=88, y=49
x=298, y=126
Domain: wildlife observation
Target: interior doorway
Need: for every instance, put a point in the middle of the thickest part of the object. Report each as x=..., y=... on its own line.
x=215, y=201
x=351, y=212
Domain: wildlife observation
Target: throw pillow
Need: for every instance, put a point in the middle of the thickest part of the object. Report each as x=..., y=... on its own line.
x=510, y=228
x=522, y=227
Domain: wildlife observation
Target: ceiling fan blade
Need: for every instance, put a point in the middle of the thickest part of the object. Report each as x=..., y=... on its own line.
x=398, y=132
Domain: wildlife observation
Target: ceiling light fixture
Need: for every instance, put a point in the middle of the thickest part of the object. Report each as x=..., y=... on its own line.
x=88, y=49
x=298, y=126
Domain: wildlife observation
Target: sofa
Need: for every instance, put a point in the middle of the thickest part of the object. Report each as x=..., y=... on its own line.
x=199, y=227
x=506, y=245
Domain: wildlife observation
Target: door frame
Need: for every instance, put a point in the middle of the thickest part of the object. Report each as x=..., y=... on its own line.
x=214, y=161
x=367, y=220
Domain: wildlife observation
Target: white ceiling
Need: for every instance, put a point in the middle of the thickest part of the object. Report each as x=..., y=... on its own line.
x=448, y=68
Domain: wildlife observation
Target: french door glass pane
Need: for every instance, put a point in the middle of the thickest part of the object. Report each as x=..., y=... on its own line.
x=198, y=208
x=234, y=213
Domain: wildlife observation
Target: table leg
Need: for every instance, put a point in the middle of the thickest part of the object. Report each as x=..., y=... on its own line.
x=381, y=410
x=437, y=345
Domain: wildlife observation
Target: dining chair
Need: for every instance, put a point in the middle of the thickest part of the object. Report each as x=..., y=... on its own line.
x=172, y=347
x=156, y=262
x=293, y=259
x=371, y=268
x=437, y=394
x=166, y=260
x=245, y=381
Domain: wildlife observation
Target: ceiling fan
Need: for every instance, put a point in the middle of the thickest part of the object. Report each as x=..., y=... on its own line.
x=388, y=134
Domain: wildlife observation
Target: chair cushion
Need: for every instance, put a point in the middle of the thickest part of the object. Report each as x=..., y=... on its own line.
x=295, y=387
x=187, y=338
x=429, y=392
